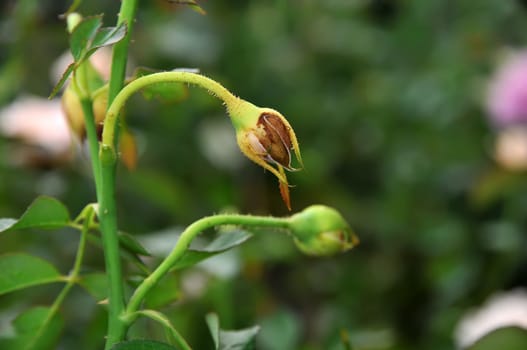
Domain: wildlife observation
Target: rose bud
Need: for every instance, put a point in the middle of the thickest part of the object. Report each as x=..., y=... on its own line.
x=266, y=138
x=320, y=231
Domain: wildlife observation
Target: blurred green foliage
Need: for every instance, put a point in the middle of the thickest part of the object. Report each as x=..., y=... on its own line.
x=386, y=98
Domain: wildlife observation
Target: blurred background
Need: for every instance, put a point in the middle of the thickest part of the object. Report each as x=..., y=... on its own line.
x=410, y=118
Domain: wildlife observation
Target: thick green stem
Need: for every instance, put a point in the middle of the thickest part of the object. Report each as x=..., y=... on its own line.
x=183, y=243
x=110, y=241
x=120, y=49
x=106, y=195
x=214, y=87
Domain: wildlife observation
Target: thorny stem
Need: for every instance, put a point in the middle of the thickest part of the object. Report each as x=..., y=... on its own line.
x=183, y=243
x=214, y=87
x=106, y=194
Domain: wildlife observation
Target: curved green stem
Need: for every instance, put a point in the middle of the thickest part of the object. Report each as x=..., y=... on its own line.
x=183, y=243
x=214, y=87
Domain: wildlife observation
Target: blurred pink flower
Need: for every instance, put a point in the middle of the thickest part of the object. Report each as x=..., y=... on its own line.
x=507, y=93
x=38, y=122
x=511, y=148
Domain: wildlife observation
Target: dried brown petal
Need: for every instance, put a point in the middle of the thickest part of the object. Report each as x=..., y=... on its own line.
x=274, y=136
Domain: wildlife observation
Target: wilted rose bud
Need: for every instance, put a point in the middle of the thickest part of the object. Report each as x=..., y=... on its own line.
x=266, y=137
x=319, y=230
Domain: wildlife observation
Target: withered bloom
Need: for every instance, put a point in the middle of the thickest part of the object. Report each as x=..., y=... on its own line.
x=267, y=138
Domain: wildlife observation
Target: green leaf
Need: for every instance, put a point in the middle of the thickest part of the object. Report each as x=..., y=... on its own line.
x=6, y=224
x=82, y=34
x=230, y=340
x=159, y=317
x=44, y=212
x=62, y=80
x=37, y=329
x=125, y=252
x=190, y=3
x=164, y=92
x=140, y=344
x=21, y=271
x=281, y=331
x=510, y=338
x=131, y=244
x=166, y=291
x=224, y=241
x=96, y=284
x=107, y=36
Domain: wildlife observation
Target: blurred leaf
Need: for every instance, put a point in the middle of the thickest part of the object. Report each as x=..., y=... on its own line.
x=172, y=333
x=82, y=34
x=164, y=92
x=494, y=185
x=127, y=250
x=165, y=292
x=96, y=284
x=230, y=340
x=510, y=338
x=21, y=271
x=142, y=345
x=44, y=212
x=37, y=329
x=62, y=80
x=131, y=244
x=190, y=3
x=224, y=241
x=5, y=224
x=280, y=331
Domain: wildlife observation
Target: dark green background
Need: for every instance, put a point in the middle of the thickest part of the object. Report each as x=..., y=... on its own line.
x=387, y=101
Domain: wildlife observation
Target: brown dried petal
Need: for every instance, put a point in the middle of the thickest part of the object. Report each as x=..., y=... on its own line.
x=275, y=139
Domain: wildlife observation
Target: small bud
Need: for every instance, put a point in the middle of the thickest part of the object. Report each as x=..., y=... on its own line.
x=321, y=231
x=266, y=138
x=73, y=20
x=71, y=105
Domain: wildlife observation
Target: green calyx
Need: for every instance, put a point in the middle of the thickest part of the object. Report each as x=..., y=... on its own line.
x=321, y=231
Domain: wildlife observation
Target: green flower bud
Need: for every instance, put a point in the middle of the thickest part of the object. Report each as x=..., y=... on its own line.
x=321, y=231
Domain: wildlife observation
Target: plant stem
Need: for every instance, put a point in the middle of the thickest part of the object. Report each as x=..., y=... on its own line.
x=106, y=194
x=183, y=243
x=120, y=49
x=93, y=142
x=70, y=280
x=164, y=77
x=110, y=241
